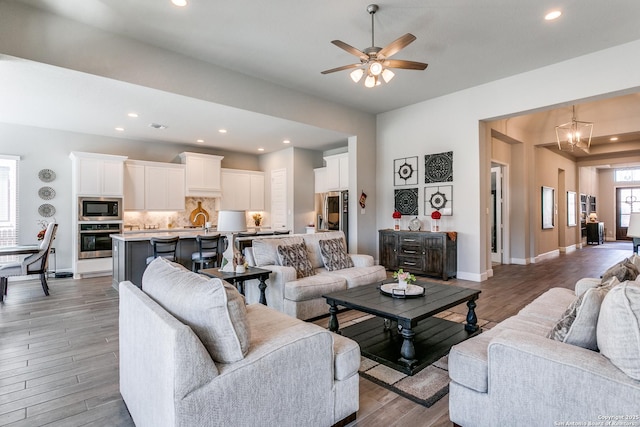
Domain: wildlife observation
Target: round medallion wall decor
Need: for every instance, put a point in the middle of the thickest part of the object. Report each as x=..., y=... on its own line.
x=46, y=193
x=46, y=175
x=46, y=210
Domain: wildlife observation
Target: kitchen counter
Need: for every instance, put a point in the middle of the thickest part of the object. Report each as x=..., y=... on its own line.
x=182, y=233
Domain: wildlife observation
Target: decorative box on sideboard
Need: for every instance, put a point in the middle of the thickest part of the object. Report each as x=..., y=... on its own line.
x=420, y=252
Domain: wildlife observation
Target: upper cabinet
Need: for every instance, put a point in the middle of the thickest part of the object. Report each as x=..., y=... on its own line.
x=154, y=186
x=337, y=172
x=98, y=174
x=242, y=190
x=320, y=180
x=203, y=178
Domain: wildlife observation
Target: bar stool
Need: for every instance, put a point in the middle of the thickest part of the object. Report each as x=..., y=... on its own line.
x=164, y=247
x=208, y=250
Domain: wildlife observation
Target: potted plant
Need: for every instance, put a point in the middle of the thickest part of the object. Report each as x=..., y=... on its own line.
x=404, y=278
x=257, y=219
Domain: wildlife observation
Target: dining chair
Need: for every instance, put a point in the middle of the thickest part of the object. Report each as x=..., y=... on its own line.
x=208, y=250
x=164, y=247
x=33, y=264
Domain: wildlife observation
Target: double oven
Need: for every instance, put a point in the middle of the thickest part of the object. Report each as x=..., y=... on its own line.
x=98, y=218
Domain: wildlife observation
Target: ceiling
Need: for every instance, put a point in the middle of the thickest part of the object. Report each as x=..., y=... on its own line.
x=288, y=42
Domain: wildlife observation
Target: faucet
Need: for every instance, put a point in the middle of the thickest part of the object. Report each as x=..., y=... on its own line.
x=205, y=218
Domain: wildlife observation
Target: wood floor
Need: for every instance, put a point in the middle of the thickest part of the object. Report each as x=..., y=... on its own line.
x=59, y=354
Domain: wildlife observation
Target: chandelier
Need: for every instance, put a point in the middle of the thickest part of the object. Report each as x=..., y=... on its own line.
x=574, y=134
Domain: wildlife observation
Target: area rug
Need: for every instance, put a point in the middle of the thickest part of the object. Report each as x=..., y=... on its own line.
x=425, y=387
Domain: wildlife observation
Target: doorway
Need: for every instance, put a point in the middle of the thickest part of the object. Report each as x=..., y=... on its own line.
x=627, y=201
x=497, y=213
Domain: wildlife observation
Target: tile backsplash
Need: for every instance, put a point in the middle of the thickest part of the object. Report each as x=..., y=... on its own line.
x=163, y=220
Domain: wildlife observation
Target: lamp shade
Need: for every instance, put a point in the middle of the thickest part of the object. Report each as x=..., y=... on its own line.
x=232, y=221
x=634, y=225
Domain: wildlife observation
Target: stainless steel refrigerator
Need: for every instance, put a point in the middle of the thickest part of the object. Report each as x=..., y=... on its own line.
x=336, y=212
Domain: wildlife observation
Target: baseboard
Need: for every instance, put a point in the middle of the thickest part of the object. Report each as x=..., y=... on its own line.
x=519, y=261
x=473, y=277
x=550, y=254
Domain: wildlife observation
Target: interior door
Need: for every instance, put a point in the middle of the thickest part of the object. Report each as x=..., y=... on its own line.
x=279, y=199
x=627, y=201
x=496, y=215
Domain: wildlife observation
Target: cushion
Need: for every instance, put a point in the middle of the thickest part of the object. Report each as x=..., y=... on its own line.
x=265, y=250
x=334, y=254
x=619, y=328
x=213, y=309
x=624, y=270
x=578, y=324
x=295, y=255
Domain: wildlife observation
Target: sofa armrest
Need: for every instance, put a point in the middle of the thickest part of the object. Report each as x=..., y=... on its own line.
x=544, y=381
x=361, y=260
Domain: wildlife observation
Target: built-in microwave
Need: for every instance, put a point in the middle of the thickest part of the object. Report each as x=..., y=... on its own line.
x=99, y=209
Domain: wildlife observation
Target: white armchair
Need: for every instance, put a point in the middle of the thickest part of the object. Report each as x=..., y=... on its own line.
x=33, y=264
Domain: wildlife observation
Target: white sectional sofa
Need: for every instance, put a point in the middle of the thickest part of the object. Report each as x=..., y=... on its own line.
x=301, y=297
x=192, y=354
x=565, y=359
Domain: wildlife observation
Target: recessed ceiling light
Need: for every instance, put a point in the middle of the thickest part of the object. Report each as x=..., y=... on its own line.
x=222, y=130
x=157, y=126
x=119, y=129
x=200, y=140
x=133, y=115
x=286, y=141
x=613, y=138
x=260, y=149
x=554, y=14
x=179, y=3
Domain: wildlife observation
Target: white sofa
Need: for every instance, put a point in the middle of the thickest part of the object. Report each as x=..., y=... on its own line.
x=195, y=355
x=302, y=297
x=514, y=374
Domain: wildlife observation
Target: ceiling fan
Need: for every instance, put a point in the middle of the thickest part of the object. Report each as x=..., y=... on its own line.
x=374, y=61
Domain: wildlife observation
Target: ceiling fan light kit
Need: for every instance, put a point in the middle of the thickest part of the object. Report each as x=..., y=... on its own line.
x=374, y=61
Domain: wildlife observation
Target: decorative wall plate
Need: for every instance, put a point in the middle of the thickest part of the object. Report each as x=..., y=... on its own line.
x=46, y=175
x=415, y=224
x=46, y=193
x=46, y=210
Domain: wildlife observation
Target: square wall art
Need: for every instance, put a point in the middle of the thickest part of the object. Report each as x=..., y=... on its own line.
x=438, y=167
x=438, y=198
x=405, y=171
x=406, y=201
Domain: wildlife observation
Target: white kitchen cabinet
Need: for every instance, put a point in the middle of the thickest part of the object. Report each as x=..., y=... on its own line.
x=242, y=190
x=98, y=174
x=337, y=172
x=154, y=186
x=320, y=180
x=203, y=174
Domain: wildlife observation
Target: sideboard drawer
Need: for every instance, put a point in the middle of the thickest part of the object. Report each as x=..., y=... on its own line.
x=411, y=263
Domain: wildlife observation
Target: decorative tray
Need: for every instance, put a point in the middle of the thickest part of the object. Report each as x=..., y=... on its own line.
x=393, y=290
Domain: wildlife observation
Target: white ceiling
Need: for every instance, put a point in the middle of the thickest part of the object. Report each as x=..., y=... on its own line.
x=287, y=42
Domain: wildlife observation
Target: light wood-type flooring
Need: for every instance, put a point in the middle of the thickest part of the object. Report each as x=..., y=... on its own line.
x=59, y=354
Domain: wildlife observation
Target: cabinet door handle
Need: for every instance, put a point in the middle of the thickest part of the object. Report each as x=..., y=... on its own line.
x=409, y=252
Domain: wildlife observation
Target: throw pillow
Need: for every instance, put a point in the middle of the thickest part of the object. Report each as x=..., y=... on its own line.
x=624, y=270
x=295, y=255
x=578, y=324
x=334, y=254
x=265, y=250
x=215, y=310
x=619, y=328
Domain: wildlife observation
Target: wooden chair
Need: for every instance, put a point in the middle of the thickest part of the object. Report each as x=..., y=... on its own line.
x=164, y=247
x=33, y=264
x=208, y=250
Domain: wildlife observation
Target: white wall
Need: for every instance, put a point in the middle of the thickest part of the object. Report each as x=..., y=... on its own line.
x=452, y=123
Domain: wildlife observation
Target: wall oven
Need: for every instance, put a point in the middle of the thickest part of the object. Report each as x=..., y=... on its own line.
x=94, y=240
x=99, y=209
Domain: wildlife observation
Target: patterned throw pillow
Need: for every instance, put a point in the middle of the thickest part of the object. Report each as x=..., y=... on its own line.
x=624, y=270
x=579, y=323
x=295, y=255
x=334, y=254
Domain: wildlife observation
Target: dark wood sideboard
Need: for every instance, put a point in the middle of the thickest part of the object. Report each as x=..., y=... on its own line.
x=420, y=252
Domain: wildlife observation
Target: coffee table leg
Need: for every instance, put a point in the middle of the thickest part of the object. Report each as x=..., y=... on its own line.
x=262, y=286
x=472, y=319
x=333, y=318
x=408, y=351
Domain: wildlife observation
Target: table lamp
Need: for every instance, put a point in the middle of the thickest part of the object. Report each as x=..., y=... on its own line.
x=634, y=229
x=229, y=223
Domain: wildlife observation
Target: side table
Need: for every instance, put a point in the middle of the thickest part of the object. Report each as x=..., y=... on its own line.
x=238, y=279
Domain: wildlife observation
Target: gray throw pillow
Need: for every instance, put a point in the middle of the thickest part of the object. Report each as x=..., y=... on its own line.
x=213, y=309
x=624, y=270
x=619, y=328
x=334, y=254
x=295, y=255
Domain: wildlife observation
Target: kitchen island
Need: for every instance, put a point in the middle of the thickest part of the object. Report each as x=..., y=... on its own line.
x=131, y=249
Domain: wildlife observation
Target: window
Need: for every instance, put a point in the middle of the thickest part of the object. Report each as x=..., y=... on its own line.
x=627, y=175
x=8, y=200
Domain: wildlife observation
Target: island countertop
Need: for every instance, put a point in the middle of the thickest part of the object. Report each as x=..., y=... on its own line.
x=188, y=233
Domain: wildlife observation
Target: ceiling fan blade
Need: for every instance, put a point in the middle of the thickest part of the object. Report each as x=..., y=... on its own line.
x=344, y=67
x=396, y=45
x=352, y=50
x=407, y=65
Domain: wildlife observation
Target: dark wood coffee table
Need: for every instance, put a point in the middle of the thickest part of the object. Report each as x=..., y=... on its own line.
x=238, y=279
x=419, y=339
